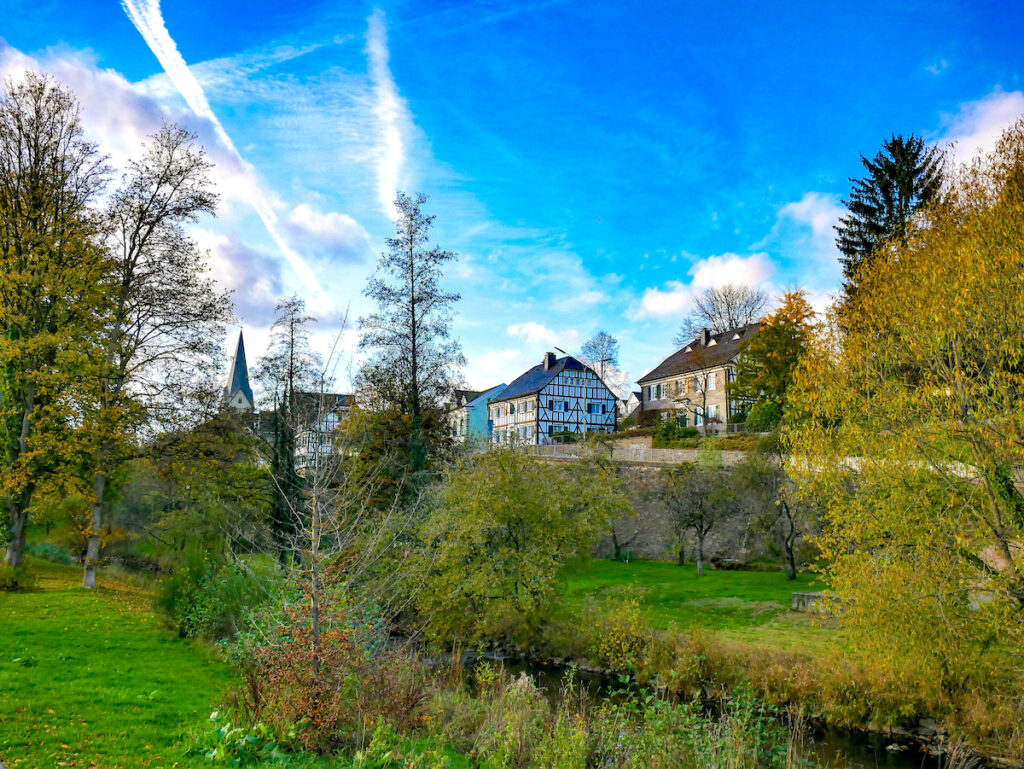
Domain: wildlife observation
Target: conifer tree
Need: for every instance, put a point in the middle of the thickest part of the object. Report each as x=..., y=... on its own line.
x=411, y=368
x=903, y=176
x=290, y=374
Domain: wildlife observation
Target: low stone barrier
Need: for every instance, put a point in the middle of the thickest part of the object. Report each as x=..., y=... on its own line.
x=808, y=602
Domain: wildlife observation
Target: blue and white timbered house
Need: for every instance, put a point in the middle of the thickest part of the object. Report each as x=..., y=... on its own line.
x=555, y=396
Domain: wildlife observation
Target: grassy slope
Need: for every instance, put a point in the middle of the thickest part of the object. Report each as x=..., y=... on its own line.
x=749, y=606
x=90, y=679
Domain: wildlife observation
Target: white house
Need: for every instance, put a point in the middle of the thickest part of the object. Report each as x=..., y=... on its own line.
x=557, y=395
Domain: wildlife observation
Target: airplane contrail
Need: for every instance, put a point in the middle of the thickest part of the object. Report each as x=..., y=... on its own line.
x=148, y=20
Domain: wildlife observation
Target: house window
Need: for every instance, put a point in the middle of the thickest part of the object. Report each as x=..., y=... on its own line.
x=713, y=381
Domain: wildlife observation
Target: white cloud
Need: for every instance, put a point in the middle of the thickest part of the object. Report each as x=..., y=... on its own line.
x=253, y=277
x=392, y=115
x=677, y=297
x=937, y=67
x=147, y=18
x=750, y=270
x=539, y=334
x=976, y=127
x=494, y=367
x=329, y=235
x=821, y=213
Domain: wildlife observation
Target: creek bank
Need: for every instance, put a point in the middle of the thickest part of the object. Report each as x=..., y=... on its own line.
x=923, y=744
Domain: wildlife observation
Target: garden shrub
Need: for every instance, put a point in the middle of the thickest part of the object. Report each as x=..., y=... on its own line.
x=621, y=639
x=14, y=579
x=54, y=552
x=207, y=598
x=326, y=691
x=764, y=417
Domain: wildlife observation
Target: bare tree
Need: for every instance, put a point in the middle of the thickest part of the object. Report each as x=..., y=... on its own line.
x=696, y=497
x=53, y=281
x=161, y=342
x=721, y=308
x=600, y=352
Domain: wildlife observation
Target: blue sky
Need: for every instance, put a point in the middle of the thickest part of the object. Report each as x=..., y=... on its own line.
x=594, y=163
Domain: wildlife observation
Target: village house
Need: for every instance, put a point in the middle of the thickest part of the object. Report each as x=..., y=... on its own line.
x=316, y=418
x=319, y=415
x=691, y=385
x=470, y=418
x=555, y=396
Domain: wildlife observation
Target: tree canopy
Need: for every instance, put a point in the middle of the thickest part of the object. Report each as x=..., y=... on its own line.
x=909, y=430
x=764, y=370
x=903, y=176
x=504, y=525
x=721, y=308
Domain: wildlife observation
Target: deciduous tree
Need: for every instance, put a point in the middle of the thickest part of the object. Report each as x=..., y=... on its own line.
x=696, y=497
x=722, y=308
x=504, y=525
x=764, y=370
x=910, y=430
x=54, y=283
x=161, y=339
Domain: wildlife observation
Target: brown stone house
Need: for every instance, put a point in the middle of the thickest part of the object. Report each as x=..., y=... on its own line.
x=692, y=384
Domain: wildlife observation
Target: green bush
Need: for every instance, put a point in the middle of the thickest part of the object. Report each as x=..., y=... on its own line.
x=671, y=435
x=208, y=598
x=54, y=552
x=764, y=417
x=13, y=579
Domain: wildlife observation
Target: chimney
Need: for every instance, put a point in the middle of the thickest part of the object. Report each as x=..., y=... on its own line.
x=705, y=337
x=549, y=360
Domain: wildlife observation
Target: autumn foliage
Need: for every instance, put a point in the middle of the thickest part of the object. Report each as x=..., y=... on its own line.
x=909, y=428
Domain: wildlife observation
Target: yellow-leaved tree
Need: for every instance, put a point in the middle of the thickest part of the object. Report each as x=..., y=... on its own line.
x=907, y=423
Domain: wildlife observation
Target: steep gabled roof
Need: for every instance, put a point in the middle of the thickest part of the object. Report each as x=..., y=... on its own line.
x=486, y=395
x=239, y=377
x=538, y=377
x=467, y=395
x=696, y=356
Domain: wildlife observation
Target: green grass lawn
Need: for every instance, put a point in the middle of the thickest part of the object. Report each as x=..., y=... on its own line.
x=92, y=679
x=89, y=678
x=752, y=606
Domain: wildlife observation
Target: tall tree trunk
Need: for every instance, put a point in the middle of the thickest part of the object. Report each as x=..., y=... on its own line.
x=681, y=557
x=17, y=511
x=790, y=542
x=700, y=553
x=17, y=507
x=92, y=548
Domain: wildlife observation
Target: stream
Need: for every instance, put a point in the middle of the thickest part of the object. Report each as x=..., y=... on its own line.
x=832, y=748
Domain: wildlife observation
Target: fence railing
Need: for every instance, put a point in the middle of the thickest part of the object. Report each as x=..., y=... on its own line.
x=636, y=454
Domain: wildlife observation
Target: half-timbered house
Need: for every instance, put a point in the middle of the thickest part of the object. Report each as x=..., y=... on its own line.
x=556, y=396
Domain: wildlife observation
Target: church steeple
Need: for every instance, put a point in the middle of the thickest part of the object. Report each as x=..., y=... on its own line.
x=238, y=393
